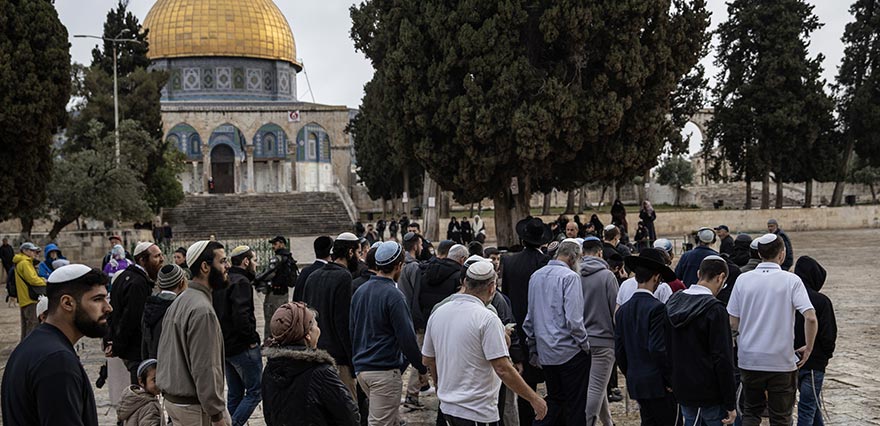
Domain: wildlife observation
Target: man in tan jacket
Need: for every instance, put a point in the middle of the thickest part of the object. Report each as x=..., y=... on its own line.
x=190, y=373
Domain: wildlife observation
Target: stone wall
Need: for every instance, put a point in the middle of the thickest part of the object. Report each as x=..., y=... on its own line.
x=87, y=247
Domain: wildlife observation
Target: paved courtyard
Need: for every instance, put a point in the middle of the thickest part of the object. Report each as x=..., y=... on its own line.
x=852, y=387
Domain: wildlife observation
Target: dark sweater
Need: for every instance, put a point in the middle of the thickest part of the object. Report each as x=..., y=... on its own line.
x=382, y=332
x=701, y=351
x=154, y=313
x=689, y=264
x=128, y=297
x=813, y=276
x=328, y=291
x=439, y=281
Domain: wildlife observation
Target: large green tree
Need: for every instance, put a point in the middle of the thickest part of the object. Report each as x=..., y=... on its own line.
x=677, y=173
x=497, y=98
x=858, y=89
x=34, y=90
x=139, y=95
x=771, y=111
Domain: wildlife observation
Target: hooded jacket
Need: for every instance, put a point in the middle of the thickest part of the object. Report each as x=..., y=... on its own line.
x=813, y=275
x=235, y=311
x=440, y=278
x=789, y=252
x=741, y=254
x=600, y=298
x=301, y=387
x=151, y=326
x=137, y=407
x=701, y=350
x=25, y=275
x=328, y=290
x=46, y=268
x=128, y=296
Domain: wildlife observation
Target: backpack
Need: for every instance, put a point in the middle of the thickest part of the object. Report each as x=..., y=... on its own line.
x=11, y=290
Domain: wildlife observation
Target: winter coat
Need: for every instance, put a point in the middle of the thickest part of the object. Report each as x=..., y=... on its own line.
x=751, y=265
x=303, y=276
x=25, y=275
x=302, y=387
x=741, y=250
x=440, y=278
x=120, y=266
x=813, y=275
x=6, y=255
x=285, y=272
x=789, y=252
x=137, y=407
x=328, y=291
x=129, y=294
x=689, y=264
x=411, y=273
x=151, y=326
x=701, y=350
x=361, y=279
x=727, y=245
x=234, y=306
x=46, y=268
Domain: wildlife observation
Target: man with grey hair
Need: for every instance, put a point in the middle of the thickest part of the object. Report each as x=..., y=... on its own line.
x=556, y=335
x=466, y=343
x=439, y=279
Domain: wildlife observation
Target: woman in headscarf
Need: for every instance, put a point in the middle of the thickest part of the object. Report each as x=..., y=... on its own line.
x=117, y=262
x=301, y=385
x=618, y=216
x=453, y=231
x=648, y=216
x=479, y=229
x=597, y=225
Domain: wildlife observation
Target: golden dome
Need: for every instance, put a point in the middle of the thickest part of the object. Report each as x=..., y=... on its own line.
x=242, y=28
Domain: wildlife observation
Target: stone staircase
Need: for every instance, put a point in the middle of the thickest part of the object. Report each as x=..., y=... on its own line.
x=259, y=215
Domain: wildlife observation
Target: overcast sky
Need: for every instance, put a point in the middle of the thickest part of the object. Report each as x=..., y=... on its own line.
x=337, y=72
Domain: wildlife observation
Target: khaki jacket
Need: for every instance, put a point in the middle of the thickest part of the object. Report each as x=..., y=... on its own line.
x=190, y=368
x=139, y=408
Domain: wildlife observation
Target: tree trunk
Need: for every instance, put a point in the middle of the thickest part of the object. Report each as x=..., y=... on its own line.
x=405, y=198
x=602, y=197
x=384, y=208
x=582, y=205
x=748, y=205
x=505, y=234
x=677, y=196
x=479, y=207
x=545, y=211
x=617, y=190
x=431, y=225
x=58, y=226
x=765, y=191
x=471, y=211
x=27, y=225
x=780, y=196
x=569, y=203
x=444, y=204
x=522, y=207
x=873, y=192
x=808, y=194
x=839, y=186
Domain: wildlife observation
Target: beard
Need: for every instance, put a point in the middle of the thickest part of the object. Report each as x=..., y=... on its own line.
x=217, y=279
x=352, y=262
x=88, y=327
x=575, y=265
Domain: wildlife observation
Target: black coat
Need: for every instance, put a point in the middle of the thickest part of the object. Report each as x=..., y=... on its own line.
x=361, y=279
x=301, y=387
x=303, y=276
x=151, y=326
x=641, y=339
x=6, y=255
x=440, y=279
x=789, y=252
x=516, y=270
x=285, y=271
x=235, y=312
x=128, y=297
x=813, y=275
x=726, y=246
x=701, y=351
x=328, y=291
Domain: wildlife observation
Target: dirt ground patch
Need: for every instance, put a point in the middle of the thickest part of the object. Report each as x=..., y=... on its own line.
x=852, y=386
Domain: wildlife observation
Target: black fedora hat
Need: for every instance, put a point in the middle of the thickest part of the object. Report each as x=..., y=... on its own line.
x=533, y=231
x=653, y=260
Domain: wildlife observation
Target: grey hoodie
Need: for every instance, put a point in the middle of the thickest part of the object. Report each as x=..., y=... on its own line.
x=600, y=297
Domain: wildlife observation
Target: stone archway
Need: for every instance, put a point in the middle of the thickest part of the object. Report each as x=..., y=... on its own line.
x=223, y=169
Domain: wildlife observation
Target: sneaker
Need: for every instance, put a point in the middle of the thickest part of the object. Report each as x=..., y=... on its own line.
x=427, y=390
x=412, y=402
x=615, y=395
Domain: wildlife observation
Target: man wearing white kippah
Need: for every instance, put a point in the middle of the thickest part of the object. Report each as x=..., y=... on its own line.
x=128, y=295
x=465, y=348
x=762, y=309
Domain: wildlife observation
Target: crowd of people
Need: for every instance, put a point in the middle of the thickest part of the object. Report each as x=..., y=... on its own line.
x=720, y=339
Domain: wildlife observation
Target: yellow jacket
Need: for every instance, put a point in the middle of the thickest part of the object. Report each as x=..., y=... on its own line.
x=25, y=275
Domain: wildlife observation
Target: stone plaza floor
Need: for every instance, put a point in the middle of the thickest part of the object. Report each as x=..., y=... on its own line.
x=852, y=383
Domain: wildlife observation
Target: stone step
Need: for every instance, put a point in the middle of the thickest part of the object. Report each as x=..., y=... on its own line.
x=259, y=215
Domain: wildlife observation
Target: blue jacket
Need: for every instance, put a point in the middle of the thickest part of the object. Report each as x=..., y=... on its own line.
x=641, y=337
x=381, y=328
x=46, y=268
x=689, y=264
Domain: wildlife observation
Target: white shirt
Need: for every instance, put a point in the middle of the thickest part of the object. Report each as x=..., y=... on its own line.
x=628, y=288
x=765, y=301
x=463, y=337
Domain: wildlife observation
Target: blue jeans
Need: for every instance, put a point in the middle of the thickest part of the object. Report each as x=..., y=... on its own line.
x=810, y=387
x=709, y=416
x=244, y=373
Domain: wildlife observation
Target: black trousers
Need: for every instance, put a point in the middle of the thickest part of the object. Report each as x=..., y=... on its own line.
x=457, y=421
x=532, y=376
x=780, y=391
x=658, y=412
x=567, y=392
x=132, y=367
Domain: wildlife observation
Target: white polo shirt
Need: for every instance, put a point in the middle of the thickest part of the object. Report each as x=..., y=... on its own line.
x=463, y=336
x=629, y=286
x=765, y=301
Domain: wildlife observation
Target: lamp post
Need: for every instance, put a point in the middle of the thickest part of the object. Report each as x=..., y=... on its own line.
x=115, y=40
